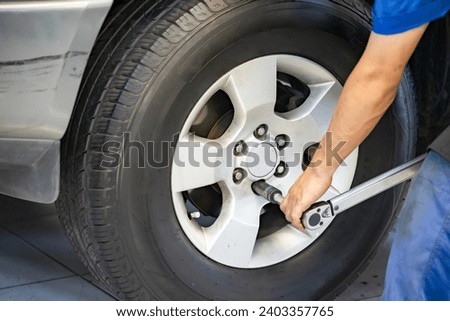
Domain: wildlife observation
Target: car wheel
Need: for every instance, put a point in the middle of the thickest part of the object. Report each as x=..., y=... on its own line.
x=184, y=105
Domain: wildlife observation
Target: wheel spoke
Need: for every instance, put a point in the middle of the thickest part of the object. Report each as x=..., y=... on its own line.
x=304, y=69
x=319, y=105
x=341, y=183
x=286, y=240
x=330, y=193
x=323, y=104
x=233, y=236
x=198, y=162
x=252, y=88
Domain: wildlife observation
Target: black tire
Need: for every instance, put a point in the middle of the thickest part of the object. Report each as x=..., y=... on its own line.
x=152, y=62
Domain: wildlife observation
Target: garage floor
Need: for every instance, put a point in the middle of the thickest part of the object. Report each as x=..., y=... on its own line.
x=38, y=263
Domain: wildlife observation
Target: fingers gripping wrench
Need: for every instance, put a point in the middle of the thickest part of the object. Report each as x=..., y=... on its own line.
x=311, y=219
x=319, y=213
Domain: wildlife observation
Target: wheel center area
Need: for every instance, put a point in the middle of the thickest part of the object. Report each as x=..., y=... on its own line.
x=262, y=160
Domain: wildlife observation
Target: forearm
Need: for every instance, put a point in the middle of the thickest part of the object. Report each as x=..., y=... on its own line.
x=365, y=98
x=367, y=94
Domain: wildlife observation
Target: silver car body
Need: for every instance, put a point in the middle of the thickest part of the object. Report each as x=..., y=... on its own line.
x=44, y=49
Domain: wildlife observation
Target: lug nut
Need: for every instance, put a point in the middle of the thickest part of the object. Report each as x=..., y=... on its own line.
x=238, y=175
x=240, y=148
x=261, y=131
x=282, y=141
x=281, y=170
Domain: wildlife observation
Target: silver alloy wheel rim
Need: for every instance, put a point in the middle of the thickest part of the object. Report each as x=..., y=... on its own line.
x=232, y=239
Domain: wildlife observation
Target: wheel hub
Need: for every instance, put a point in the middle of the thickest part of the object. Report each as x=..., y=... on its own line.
x=262, y=160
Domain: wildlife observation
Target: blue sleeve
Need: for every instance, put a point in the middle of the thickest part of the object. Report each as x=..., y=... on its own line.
x=396, y=16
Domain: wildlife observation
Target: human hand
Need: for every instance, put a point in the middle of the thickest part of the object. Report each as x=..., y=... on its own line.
x=306, y=191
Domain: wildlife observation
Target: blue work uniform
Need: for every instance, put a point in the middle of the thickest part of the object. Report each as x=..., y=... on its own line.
x=396, y=16
x=419, y=263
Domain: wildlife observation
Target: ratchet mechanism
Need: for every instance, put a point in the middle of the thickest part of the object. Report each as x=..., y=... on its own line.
x=322, y=213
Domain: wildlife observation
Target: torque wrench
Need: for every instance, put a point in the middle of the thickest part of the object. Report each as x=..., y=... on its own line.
x=324, y=212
